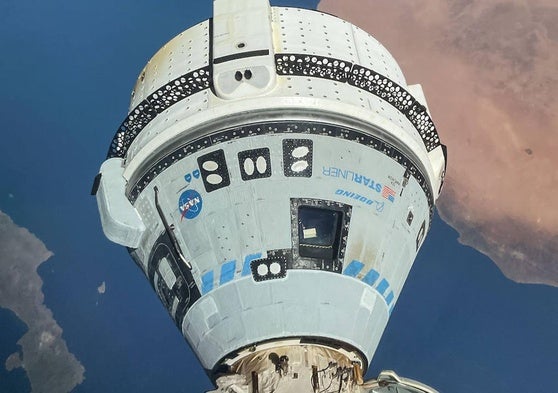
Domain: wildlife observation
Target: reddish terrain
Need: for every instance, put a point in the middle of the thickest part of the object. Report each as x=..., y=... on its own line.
x=489, y=72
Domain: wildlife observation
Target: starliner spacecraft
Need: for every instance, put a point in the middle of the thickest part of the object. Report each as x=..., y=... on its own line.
x=274, y=179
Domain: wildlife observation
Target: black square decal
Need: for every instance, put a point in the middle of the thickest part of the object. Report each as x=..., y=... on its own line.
x=254, y=164
x=297, y=157
x=268, y=268
x=214, y=172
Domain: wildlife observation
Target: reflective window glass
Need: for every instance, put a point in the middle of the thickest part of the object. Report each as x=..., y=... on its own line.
x=318, y=232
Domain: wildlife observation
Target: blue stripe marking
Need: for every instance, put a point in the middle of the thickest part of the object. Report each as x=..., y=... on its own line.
x=382, y=286
x=227, y=272
x=249, y=258
x=389, y=297
x=207, y=282
x=371, y=277
x=353, y=268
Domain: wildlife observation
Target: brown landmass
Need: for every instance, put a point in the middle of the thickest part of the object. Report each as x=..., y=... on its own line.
x=489, y=72
x=49, y=365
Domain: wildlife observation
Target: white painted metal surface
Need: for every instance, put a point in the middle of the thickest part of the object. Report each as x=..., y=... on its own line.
x=120, y=220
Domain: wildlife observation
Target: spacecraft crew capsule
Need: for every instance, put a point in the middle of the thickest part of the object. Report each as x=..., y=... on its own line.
x=274, y=179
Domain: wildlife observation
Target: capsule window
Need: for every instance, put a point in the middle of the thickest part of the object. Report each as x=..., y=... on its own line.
x=319, y=232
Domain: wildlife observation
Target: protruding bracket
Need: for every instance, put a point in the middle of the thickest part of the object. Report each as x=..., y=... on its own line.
x=389, y=381
x=242, y=48
x=121, y=222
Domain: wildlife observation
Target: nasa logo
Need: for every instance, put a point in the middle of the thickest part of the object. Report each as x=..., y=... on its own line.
x=189, y=204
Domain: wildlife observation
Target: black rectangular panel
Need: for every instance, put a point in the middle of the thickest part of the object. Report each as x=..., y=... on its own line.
x=254, y=164
x=297, y=157
x=214, y=171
